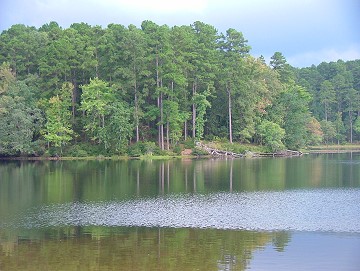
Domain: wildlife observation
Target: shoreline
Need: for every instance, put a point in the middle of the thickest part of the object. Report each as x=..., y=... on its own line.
x=125, y=158
x=323, y=149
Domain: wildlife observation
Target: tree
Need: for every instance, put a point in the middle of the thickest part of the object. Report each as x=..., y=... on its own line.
x=233, y=48
x=107, y=117
x=339, y=127
x=278, y=63
x=96, y=98
x=174, y=119
x=161, y=55
x=329, y=131
x=315, y=133
x=291, y=110
x=202, y=71
x=57, y=130
x=271, y=135
x=183, y=42
x=327, y=97
x=350, y=105
x=357, y=125
x=20, y=119
x=21, y=47
x=119, y=128
x=201, y=103
x=135, y=72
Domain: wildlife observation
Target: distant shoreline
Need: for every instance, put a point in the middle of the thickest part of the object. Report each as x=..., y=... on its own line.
x=334, y=148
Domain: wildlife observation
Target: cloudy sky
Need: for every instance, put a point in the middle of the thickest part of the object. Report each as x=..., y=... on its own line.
x=305, y=31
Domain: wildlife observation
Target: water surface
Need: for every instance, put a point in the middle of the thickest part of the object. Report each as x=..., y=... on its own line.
x=258, y=214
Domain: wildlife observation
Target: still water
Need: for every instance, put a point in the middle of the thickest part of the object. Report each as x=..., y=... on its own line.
x=243, y=214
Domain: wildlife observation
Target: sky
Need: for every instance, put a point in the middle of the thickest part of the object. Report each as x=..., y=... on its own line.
x=306, y=32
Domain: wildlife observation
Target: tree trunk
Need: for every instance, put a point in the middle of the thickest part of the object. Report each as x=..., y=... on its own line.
x=136, y=112
x=167, y=136
x=185, y=130
x=194, y=112
x=230, y=114
x=160, y=105
x=161, y=121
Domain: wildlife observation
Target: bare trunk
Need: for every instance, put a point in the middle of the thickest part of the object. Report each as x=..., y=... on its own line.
x=194, y=112
x=230, y=114
x=185, y=130
x=136, y=112
x=167, y=136
x=161, y=122
x=160, y=105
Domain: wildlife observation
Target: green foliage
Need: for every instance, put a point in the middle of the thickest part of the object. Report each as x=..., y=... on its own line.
x=271, y=135
x=357, y=125
x=77, y=150
x=291, y=111
x=144, y=148
x=107, y=119
x=335, y=87
x=189, y=144
x=329, y=131
x=20, y=119
x=199, y=152
x=162, y=84
x=57, y=130
x=315, y=133
x=177, y=149
x=339, y=128
x=201, y=102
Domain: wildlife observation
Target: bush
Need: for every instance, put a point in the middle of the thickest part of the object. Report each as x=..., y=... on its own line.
x=199, y=152
x=189, y=143
x=272, y=135
x=76, y=151
x=134, y=150
x=177, y=149
x=149, y=148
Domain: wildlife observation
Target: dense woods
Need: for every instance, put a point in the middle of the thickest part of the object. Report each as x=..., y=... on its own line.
x=88, y=90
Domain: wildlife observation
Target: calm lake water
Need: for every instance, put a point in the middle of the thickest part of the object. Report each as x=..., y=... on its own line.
x=243, y=214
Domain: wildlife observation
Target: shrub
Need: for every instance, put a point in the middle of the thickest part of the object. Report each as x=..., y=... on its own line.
x=177, y=149
x=189, y=143
x=134, y=150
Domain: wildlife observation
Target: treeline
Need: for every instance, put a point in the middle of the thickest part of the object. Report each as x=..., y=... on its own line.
x=126, y=90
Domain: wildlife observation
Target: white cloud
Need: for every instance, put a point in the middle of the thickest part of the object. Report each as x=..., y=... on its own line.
x=305, y=59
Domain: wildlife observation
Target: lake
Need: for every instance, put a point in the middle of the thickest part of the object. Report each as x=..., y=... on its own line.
x=299, y=213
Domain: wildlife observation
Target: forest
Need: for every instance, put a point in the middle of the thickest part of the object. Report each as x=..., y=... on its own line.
x=88, y=90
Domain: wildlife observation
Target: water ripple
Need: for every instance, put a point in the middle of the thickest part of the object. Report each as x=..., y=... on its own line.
x=303, y=210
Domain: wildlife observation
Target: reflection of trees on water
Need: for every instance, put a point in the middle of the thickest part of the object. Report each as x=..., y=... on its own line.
x=280, y=240
x=103, y=248
x=26, y=185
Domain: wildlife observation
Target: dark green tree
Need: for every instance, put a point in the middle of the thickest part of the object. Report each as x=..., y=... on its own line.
x=20, y=119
